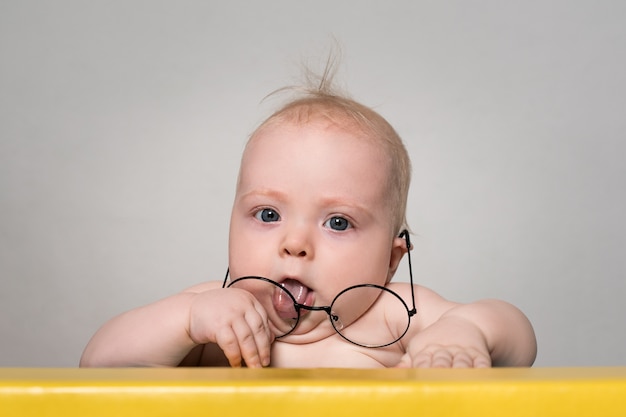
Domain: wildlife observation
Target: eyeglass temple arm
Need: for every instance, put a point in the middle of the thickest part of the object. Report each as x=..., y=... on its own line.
x=225, y=278
x=405, y=234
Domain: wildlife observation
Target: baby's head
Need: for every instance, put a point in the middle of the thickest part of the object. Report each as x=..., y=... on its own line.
x=324, y=106
x=320, y=201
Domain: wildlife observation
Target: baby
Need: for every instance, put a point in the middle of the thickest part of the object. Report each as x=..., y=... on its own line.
x=317, y=232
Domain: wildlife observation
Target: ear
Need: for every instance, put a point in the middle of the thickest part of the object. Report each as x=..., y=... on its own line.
x=398, y=249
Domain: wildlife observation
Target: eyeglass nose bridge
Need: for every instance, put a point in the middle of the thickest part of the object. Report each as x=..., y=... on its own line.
x=334, y=318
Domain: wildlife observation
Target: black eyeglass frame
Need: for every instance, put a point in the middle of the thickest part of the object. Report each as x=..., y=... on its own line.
x=328, y=309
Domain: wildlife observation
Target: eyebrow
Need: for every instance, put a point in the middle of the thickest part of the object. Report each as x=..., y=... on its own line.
x=324, y=202
x=264, y=192
x=339, y=202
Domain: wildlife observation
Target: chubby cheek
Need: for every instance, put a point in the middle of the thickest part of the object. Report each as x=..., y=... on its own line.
x=243, y=261
x=240, y=251
x=247, y=257
x=363, y=267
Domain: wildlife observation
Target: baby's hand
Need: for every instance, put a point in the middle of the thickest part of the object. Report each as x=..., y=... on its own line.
x=236, y=322
x=450, y=342
x=441, y=356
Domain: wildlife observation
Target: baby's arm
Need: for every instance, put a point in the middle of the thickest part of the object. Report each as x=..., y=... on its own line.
x=480, y=334
x=164, y=333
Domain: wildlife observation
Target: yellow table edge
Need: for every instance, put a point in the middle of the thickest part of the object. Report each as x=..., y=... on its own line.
x=313, y=392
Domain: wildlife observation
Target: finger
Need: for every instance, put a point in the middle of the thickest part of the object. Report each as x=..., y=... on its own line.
x=482, y=362
x=405, y=362
x=246, y=344
x=462, y=360
x=423, y=359
x=442, y=359
x=263, y=334
x=255, y=341
x=227, y=341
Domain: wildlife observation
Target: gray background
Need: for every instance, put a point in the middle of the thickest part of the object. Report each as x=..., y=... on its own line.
x=122, y=123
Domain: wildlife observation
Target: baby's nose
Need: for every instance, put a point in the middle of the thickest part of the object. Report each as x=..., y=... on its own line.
x=297, y=243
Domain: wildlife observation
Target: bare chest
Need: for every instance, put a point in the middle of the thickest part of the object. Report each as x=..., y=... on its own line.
x=332, y=353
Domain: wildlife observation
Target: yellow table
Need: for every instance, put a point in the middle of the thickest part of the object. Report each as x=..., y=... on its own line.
x=225, y=392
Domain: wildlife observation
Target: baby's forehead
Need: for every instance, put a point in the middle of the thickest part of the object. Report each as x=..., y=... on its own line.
x=278, y=140
x=323, y=124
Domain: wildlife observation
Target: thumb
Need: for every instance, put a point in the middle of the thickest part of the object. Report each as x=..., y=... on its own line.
x=405, y=361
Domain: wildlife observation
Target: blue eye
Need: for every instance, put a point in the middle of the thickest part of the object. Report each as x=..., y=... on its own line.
x=338, y=223
x=267, y=215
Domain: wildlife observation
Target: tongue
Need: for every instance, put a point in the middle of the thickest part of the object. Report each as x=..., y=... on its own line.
x=284, y=304
x=296, y=289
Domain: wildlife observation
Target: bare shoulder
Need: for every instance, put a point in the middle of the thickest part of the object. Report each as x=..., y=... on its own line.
x=204, y=286
x=422, y=294
x=429, y=304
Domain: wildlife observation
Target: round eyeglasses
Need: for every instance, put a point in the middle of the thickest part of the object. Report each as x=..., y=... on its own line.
x=362, y=329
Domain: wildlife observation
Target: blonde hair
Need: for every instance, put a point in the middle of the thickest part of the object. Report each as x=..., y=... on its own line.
x=321, y=101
